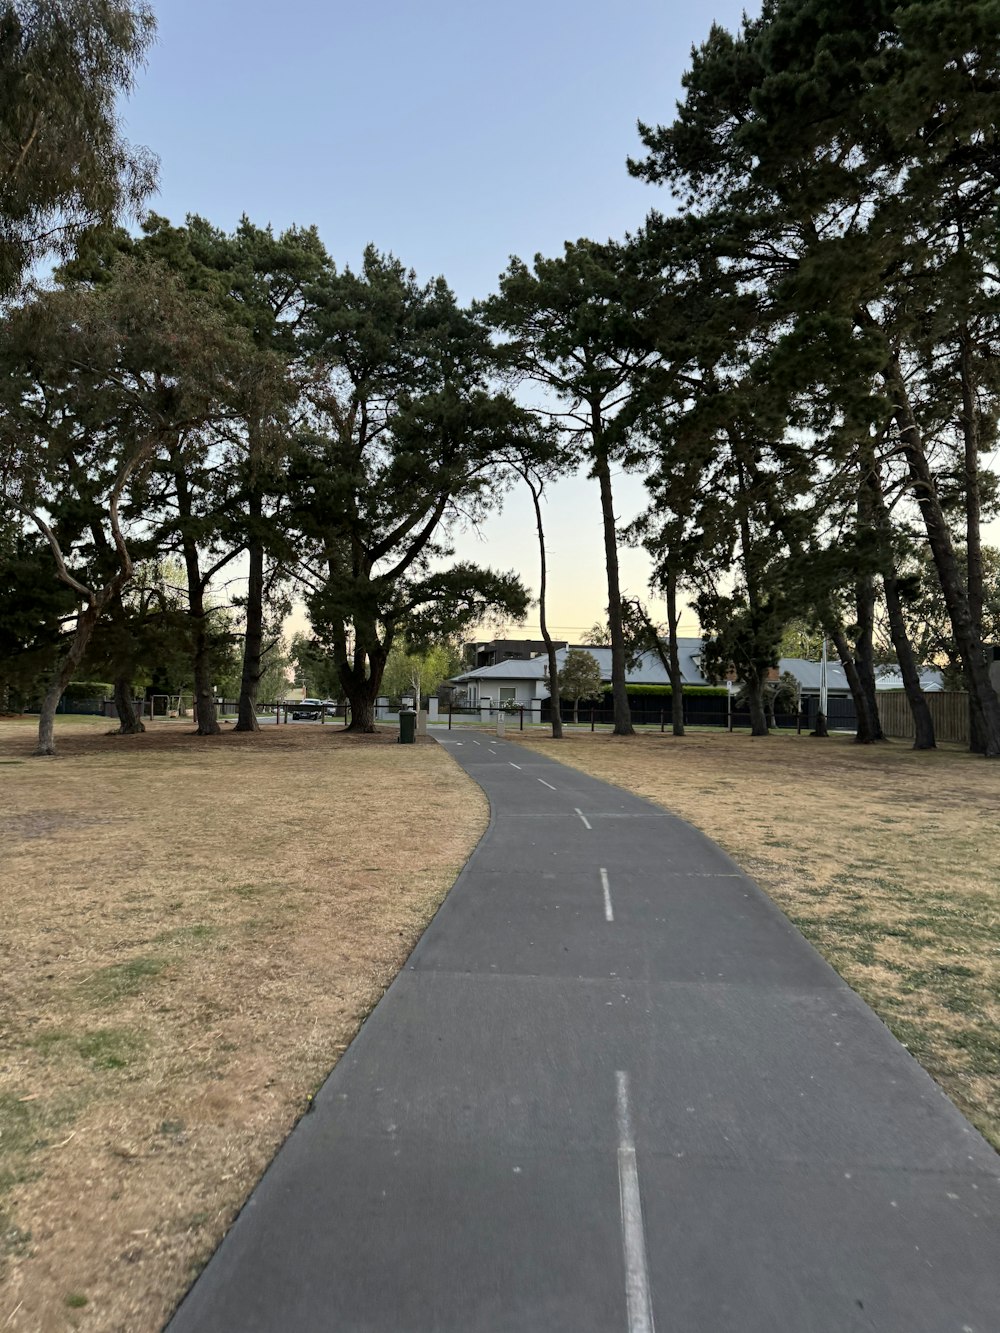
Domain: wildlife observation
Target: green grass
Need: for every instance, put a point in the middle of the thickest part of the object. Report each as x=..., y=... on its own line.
x=102, y=1048
x=112, y=983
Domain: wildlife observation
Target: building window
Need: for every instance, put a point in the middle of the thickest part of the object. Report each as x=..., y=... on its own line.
x=508, y=694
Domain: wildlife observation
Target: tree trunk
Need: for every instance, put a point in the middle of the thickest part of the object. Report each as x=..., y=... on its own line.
x=674, y=660
x=866, y=733
x=982, y=696
x=864, y=657
x=555, y=703
x=253, y=639
x=360, y=685
x=129, y=723
x=47, y=717
x=755, y=699
x=87, y=616
x=362, y=704
x=923, y=723
x=576, y=710
x=204, y=697
x=619, y=691
x=973, y=517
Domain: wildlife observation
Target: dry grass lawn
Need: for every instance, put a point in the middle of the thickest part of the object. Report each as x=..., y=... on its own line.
x=888, y=860
x=194, y=929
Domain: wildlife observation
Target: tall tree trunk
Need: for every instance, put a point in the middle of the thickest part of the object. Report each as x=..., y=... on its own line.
x=867, y=732
x=555, y=703
x=360, y=685
x=619, y=690
x=129, y=723
x=864, y=656
x=87, y=616
x=923, y=723
x=362, y=705
x=204, y=696
x=973, y=515
x=253, y=639
x=673, y=654
x=982, y=696
x=754, y=684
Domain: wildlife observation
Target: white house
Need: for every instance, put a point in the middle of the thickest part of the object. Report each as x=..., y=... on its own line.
x=523, y=682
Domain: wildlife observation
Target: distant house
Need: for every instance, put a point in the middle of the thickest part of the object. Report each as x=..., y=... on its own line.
x=931, y=679
x=518, y=681
x=504, y=650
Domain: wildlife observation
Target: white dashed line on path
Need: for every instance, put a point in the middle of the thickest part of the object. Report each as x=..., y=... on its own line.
x=545, y=784
x=513, y=765
x=637, y=1295
x=608, y=911
x=586, y=821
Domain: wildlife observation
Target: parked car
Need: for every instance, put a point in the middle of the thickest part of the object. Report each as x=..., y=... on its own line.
x=306, y=708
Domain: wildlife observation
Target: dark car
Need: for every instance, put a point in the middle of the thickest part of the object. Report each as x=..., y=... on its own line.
x=306, y=708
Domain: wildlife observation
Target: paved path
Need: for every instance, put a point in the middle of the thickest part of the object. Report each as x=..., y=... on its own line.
x=613, y=1089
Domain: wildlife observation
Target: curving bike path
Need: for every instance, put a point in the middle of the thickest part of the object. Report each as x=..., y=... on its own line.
x=613, y=1089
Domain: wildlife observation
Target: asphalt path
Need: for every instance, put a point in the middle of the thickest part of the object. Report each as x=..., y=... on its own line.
x=613, y=1089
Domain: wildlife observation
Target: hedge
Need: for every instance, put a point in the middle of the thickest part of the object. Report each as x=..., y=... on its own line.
x=88, y=689
x=666, y=691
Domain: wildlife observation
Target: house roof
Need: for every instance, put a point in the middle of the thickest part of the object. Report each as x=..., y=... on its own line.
x=931, y=679
x=647, y=671
x=808, y=674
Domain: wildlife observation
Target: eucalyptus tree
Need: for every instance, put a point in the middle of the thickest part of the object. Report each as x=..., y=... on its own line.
x=65, y=166
x=404, y=445
x=583, y=326
x=840, y=158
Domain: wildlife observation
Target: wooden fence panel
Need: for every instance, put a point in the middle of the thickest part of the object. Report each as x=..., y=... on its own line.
x=949, y=713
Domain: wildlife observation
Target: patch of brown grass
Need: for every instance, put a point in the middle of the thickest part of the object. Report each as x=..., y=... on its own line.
x=888, y=859
x=194, y=929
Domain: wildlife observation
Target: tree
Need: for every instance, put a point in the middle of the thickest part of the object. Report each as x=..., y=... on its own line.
x=91, y=395
x=405, y=443
x=105, y=379
x=420, y=673
x=64, y=165
x=263, y=281
x=579, y=678
x=838, y=158
x=581, y=326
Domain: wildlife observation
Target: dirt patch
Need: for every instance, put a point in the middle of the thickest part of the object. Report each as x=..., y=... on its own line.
x=195, y=927
x=886, y=858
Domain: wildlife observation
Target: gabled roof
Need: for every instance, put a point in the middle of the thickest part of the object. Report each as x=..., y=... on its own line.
x=808, y=673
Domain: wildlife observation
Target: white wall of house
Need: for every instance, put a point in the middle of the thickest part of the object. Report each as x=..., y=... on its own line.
x=500, y=691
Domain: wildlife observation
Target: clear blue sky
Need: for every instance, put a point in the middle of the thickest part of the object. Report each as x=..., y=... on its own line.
x=454, y=134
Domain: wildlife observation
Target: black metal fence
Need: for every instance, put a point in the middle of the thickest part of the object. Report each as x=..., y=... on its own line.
x=698, y=711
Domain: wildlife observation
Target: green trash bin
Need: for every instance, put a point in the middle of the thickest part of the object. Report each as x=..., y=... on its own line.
x=407, y=726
